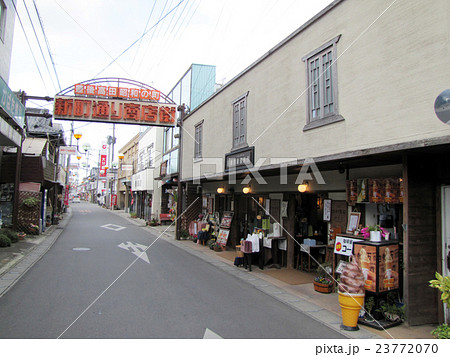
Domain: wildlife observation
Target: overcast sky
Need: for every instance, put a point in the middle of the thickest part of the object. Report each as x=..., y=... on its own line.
x=149, y=41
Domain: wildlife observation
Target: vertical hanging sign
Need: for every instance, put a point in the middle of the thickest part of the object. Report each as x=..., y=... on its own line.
x=103, y=159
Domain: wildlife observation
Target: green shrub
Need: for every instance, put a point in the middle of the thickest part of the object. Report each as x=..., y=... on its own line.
x=4, y=241
x=10, y=234
x=442, y=332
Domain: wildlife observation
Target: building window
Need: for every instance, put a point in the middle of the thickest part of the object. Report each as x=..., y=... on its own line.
x=240, y=122
x=198, y=140
x=2, y=20
x=321, y=76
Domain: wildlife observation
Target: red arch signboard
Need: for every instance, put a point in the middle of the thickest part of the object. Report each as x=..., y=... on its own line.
x=115, y=100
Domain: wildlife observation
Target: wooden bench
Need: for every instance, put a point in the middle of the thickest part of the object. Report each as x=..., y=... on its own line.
x=165, y=217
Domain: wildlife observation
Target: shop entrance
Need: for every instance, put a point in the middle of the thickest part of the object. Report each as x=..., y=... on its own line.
x=446, y=237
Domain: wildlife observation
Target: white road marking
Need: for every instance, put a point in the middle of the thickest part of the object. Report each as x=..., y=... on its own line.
x=137, y=249
x=209, y=334
x=113, y=227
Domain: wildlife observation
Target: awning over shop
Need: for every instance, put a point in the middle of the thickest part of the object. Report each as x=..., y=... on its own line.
x=33, y=146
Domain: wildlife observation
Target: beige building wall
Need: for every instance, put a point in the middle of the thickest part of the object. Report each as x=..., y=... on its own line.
x=392, y=64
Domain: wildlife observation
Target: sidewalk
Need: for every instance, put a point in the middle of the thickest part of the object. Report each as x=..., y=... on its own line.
x=16, y=260
x=281, y=284
x=289, y=286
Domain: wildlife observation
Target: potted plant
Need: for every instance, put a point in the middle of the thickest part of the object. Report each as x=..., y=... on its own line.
x=323, y=283
x=33, y=229
x=153, y=222
x=211, y=243
x=392, y=312
x=30, y=202
x=133, y=215
x=370, y=303
x=374, y=232
x=443, y=284
x=441, y=332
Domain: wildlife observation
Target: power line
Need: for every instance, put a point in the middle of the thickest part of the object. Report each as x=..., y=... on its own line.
x=29, y=45
x=47, y=43
x=126, y=50
x=145, y=29
x=93, y=39
x=39, y=43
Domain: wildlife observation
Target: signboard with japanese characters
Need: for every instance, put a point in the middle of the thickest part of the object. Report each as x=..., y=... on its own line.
x=344, y=245
x=115, y=104
x=68, y=150
x=103, y=158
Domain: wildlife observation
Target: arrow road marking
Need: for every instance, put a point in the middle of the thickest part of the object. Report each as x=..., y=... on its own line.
x=137, y=249
x=209, y=334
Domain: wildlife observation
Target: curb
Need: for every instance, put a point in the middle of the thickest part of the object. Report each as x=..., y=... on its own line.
x=19, y=266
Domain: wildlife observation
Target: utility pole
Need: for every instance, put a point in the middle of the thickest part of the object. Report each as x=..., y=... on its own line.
x=17, y=176
x=66, y=184
x=181, y=109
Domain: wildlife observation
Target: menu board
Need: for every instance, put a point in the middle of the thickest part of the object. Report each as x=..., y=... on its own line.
x=226, y=220
x=339, y=215
x=222, y=238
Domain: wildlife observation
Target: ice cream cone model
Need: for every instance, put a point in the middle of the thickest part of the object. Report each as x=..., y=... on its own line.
x=351, y=295
x=350, y=306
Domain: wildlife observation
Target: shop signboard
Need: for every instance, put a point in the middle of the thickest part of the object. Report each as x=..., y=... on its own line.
x=114, y=111
x=103, y=157
x=239, y=159
x=11, y=105
x=115, y=100
x=68, y=150
x=344, y=245
x=127, y=167
x=114, y=200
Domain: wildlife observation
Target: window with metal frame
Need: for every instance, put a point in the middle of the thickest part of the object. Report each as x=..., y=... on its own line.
x=240, y=122
x=198, y=141
x=321, y=78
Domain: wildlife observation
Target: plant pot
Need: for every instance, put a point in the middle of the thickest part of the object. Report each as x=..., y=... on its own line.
x=375, y=236
x=323, y=288
x=21, y=236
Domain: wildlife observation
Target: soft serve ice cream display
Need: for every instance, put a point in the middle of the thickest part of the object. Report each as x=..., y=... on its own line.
x=351, y=294
x=352, y=279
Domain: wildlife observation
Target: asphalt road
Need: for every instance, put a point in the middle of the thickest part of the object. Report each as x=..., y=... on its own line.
x=91, y=285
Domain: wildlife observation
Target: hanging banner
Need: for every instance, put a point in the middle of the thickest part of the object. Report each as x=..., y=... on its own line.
x=103, y=159
x=66, y=196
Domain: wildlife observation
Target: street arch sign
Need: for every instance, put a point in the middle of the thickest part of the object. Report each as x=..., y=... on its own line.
x=115, y=100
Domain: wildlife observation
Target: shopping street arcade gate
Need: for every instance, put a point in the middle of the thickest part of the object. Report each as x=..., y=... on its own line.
x=115, y=101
